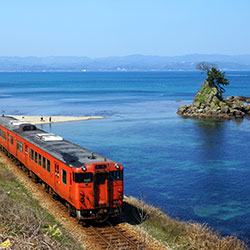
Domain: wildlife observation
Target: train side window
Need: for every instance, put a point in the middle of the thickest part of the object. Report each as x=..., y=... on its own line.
x=31, y=154
x=83, y=177
x=19, y=146
x=11, y=140
x=40, y=160
x=48, y=165
x=35, y=157
x=4, y=135
x=44, y=162
x=116, y=175
x=64, y=176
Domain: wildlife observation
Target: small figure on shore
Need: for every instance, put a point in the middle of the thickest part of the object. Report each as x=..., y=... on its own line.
x=42, y=119
x=50, y=119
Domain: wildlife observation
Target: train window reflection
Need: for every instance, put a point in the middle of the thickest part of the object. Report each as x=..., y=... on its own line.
x=83, y=177
x=19, y=146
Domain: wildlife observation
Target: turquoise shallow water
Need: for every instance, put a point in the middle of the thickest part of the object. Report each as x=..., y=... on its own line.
x=194, y=170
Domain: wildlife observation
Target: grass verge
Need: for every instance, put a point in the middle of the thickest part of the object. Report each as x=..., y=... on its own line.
x=176, y=234
x=24, y=222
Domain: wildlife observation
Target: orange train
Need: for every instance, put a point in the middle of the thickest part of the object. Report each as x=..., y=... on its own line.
x=90, y=185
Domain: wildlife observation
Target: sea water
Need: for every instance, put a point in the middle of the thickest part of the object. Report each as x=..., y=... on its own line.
x=194, y=170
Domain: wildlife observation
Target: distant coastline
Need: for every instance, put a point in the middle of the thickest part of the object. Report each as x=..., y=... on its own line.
x=115, y=71
x=120, y=63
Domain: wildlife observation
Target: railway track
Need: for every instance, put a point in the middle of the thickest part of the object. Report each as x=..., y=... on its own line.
x=112, y=237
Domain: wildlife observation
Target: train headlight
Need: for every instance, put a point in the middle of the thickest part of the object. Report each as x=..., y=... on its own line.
x=84, y=168
x=117, y=166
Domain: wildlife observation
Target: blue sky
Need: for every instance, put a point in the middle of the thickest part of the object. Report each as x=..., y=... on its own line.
x=99, y=28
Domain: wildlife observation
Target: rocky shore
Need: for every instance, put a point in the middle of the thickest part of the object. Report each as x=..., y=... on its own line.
x=209, y=104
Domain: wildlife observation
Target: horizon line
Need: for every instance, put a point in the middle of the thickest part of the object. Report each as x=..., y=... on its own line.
x=129, y=55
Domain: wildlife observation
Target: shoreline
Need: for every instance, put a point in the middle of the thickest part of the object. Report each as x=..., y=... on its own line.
x=40, y=119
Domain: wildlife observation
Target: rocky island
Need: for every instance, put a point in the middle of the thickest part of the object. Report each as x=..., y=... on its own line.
x=209, y=103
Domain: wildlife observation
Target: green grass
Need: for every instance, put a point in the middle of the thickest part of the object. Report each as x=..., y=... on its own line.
x=21, y=217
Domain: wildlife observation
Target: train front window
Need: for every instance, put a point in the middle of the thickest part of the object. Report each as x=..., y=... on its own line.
x=100, y=178
x=83, y=177
x=116, y=175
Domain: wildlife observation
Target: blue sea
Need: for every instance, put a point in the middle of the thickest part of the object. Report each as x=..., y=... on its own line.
x=194, y=170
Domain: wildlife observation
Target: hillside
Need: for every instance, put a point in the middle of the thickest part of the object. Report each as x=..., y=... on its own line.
x=122, y=63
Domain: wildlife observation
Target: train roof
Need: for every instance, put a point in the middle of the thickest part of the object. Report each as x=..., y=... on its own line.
x=63, y=150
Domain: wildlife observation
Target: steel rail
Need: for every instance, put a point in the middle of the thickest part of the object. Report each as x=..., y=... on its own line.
x=131, y=242
x=112, y=238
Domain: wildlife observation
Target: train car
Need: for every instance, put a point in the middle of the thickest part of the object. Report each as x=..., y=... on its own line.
x=90, y=185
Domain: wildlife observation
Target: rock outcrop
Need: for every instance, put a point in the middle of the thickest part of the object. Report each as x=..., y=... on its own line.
x=209, y=103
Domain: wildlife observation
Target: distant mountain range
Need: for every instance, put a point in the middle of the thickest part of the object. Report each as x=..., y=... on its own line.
x=122, y=63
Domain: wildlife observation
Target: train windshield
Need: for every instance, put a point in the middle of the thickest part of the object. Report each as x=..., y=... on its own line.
x=83, y=177
x=116, y=175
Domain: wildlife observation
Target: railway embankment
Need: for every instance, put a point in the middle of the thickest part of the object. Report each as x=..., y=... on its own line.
x=33, y=220
x=24, y=224
x=177, y=234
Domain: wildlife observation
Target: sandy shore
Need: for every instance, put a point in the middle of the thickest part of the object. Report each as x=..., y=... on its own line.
x=53, y=119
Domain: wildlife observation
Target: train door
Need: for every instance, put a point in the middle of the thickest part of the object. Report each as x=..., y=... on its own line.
x=61, y=181
x=57, y=176
x=71, y=189
x=101, y=186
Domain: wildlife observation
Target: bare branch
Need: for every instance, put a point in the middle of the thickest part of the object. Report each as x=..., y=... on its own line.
x=205, y=66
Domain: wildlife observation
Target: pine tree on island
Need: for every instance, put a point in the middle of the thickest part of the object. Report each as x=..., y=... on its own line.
x=209, y=102
x=215, y=78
